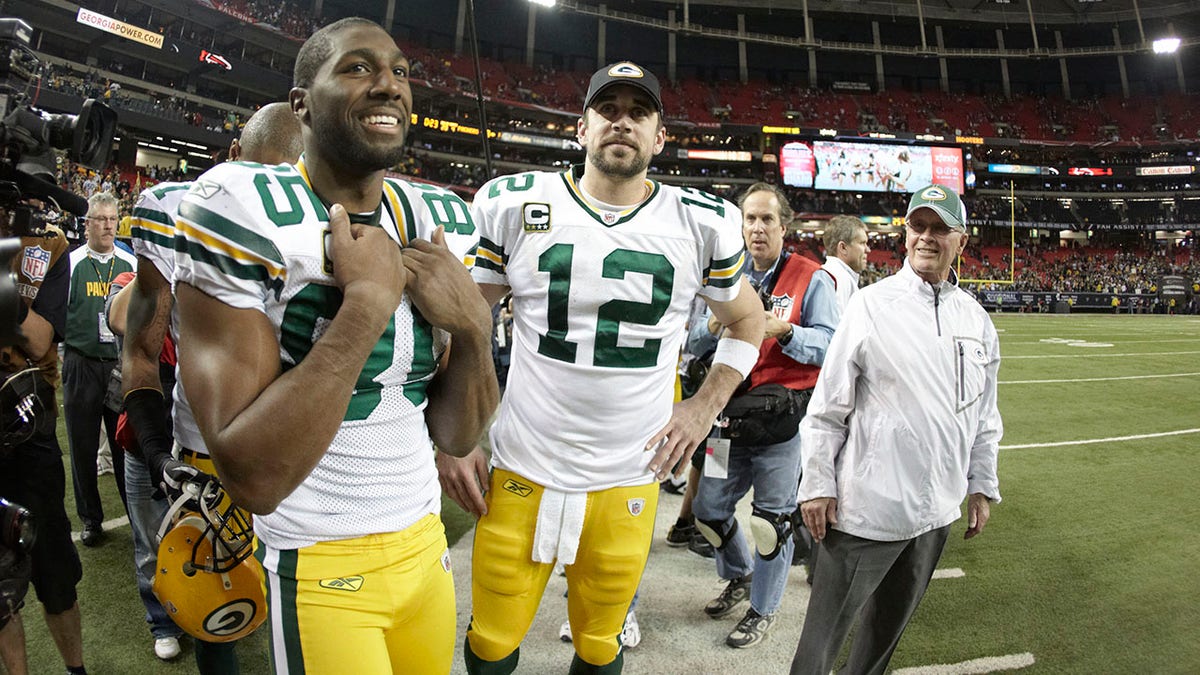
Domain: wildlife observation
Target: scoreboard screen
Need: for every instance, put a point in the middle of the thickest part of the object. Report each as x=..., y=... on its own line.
x=870, y=167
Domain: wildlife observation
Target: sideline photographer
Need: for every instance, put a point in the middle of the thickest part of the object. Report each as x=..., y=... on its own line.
x=759, y=445
x=33, y=308
x=31, y=466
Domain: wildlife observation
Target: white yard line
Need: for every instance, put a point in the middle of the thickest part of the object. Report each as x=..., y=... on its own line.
x=107, y=525
x=1098, y=379
x=1093, y=355
x=1089, y=441
x=949, y=573
x=988, y=664
x=1111, y=338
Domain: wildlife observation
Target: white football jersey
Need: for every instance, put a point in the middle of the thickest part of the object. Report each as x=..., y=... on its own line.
x=153, y=233
x=256, y=237
x=600, y=300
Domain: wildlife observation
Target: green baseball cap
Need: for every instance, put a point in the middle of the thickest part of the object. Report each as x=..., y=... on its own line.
x=942, y=201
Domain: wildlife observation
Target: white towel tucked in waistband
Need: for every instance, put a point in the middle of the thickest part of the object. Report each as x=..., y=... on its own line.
x=559, y=524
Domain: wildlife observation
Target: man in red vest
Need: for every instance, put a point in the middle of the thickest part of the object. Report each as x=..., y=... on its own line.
x=755, y=442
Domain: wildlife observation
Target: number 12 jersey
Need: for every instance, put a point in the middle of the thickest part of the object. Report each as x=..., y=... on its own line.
x=600, y=300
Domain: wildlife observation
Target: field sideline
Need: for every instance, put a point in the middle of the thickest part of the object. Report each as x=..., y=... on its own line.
x=1088, y=565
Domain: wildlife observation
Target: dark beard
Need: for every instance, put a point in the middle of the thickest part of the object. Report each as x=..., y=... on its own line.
x=347, y=149
x=633, y=169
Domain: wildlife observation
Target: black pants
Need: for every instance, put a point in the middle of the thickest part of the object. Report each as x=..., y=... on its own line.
x=32, y=476
x=85, y=381
x=880, y=581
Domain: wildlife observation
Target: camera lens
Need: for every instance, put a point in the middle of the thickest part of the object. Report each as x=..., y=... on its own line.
x=16, y=526
x=60, y=129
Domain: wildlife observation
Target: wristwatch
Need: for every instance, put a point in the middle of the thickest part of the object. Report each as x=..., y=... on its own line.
x=784, y=339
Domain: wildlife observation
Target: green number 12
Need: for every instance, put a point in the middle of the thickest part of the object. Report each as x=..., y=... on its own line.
x=556, y=261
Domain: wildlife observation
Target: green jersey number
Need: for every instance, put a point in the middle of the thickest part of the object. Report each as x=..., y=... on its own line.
x=315, y=304
x=556, y=261
x=447, y=210
x=703, y=200
x=517, y=183
x=293, y=187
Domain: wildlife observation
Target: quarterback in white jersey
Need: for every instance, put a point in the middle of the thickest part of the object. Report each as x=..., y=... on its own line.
x=603, y=266
x=600, y=300
x=316, y=304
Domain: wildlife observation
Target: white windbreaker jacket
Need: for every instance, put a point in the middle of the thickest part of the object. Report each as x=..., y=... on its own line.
x=903, y=423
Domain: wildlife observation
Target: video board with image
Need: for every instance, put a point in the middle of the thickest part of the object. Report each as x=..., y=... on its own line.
x=869, y=167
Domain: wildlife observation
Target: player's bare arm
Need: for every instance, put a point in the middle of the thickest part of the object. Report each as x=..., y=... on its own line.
x=119, y=309
x=146, y=321
x=692, y=418
x=264, y=428
x=466, y=479
x=146, y=315
x=465, y=392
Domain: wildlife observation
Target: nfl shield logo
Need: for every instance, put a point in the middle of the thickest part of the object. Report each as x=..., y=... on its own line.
x=636, y=506
x=609, y=217
x=781, y=306
x=35, y=263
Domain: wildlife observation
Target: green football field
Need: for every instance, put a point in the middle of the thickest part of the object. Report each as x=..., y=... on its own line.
x=1087, y=566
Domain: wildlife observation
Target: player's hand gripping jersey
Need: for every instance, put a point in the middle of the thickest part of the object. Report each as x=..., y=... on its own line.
x=600, y=299
x=256, y=237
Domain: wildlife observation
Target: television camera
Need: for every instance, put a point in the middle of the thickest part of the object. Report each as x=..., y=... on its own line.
x=28, y=139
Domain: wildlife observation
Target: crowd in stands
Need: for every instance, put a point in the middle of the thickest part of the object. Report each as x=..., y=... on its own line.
x=90, y=83
x=699, y=102
x=292, y=18
x=706, y=103
x=1104, y=270
x=1039, y=264
x=125, y=185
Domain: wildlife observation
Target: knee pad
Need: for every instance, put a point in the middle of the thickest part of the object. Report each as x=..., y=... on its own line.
x=717, y=532
x=771, y=531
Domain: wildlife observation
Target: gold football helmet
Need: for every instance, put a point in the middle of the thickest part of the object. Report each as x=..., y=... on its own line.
x=206, y=577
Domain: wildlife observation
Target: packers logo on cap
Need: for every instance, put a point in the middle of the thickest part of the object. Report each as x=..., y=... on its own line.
x=933, y=193
x=625, y=70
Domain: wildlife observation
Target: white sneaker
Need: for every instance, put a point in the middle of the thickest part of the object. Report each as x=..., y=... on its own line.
x=564, y=631
x=166, y=648
x=631, y=634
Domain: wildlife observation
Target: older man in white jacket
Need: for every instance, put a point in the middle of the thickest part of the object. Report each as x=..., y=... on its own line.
x=903, y=425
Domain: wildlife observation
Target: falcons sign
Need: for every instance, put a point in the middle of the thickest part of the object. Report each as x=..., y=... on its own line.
x=215, y=59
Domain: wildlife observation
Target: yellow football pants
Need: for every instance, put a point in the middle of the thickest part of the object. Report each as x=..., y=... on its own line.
x=383, y=603
x=507, y=584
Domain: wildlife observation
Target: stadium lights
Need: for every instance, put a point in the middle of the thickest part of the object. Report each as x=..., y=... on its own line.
x=545, y=3
x=1166, y=45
